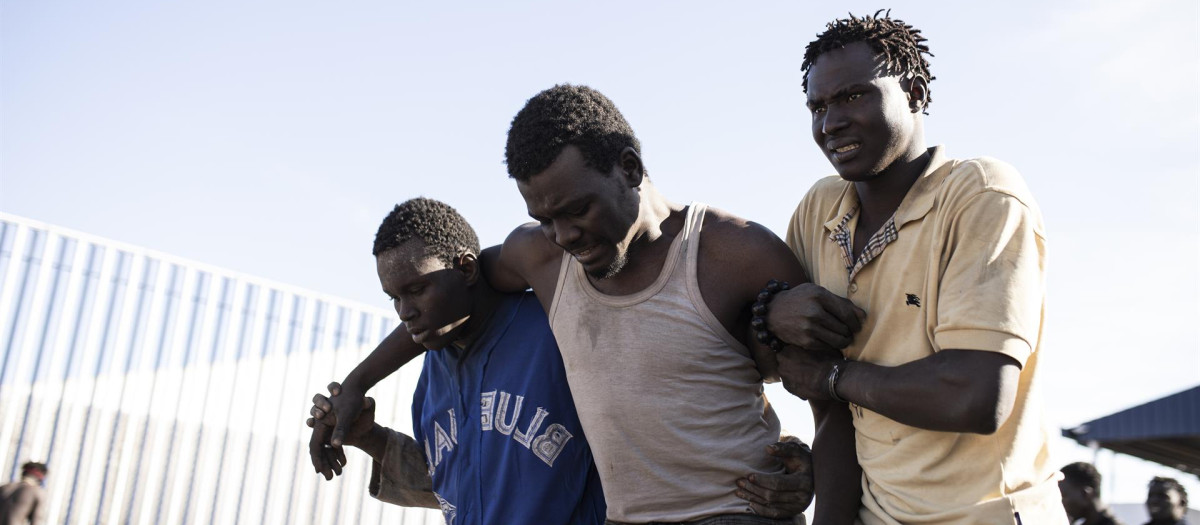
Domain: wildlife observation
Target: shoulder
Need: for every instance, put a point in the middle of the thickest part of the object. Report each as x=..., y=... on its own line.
x=971, y=177
x=824, y=195
x=527, y=253
x=741, y=246
x=528, y=238
x=730, y=231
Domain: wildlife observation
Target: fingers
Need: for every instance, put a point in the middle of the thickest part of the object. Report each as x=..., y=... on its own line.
x=823, y=339
x=316, y=451
x=335, y=462
x=796, y=456
x=843, y=310
x=340, y=455
x=335, y=388
x=774, y=495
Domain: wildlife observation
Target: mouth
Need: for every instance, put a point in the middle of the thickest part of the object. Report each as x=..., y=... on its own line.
x=585, y=254
x=418, y=334
x=844, y=151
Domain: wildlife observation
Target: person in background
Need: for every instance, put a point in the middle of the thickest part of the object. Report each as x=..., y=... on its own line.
x=24, y=501
x=1167, y=502
x=1080, y=488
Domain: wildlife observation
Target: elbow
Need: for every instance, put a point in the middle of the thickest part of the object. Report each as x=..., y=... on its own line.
x=987, y=424
x=987, y=412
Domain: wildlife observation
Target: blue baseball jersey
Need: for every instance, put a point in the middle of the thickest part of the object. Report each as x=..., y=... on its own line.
x=499, y=429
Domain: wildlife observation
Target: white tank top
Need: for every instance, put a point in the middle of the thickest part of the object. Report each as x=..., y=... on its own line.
x=672, y=404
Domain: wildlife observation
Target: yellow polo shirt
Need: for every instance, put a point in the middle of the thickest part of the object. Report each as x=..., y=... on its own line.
x=959, y=266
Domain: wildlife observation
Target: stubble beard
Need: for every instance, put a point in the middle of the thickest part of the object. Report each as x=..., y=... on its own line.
x=618, y=263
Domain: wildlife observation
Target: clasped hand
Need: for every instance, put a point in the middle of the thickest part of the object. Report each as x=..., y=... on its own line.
x=816, y=325
x=337, y=420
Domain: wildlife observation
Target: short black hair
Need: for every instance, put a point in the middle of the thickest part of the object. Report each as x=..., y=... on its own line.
x=1171, y=483
x=31, y=466
x=567, y=115
x=1083, y=474
x=901, y=46
x=446, y=234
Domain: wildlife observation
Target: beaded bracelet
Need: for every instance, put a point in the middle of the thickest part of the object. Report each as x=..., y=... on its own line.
x=759, y=310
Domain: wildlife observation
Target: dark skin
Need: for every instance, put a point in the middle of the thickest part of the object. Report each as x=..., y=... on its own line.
x=443, y=304
x=869, y=124
x=1165, y=505
x=1080, y=501
x=604, y=216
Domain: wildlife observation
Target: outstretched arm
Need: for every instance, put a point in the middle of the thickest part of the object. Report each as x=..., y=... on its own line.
x=950, y=391
x=989, y=314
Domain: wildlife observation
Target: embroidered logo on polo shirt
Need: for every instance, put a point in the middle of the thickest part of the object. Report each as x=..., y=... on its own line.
x=912, y=299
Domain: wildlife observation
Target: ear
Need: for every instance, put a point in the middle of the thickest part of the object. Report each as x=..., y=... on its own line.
x=630, y=164
x=918, y=93
x=468, y=264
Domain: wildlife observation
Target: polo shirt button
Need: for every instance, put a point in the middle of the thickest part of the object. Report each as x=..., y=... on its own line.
x=853, y=287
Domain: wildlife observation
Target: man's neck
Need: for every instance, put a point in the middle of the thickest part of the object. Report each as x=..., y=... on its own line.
x=653, y=212
x=651, y=235
x=485, y=299
x=880, y=196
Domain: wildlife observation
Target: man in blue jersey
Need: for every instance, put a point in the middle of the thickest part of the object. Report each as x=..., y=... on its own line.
x=496, y=436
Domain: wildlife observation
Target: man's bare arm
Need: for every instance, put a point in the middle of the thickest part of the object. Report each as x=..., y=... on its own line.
x=950, y=391
x=838, y=476
x=398, y=472
x=393, y=352
x=738, y=258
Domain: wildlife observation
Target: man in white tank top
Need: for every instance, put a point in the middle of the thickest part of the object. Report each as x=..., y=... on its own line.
x=650, y=303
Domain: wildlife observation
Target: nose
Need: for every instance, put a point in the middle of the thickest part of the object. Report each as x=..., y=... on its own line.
x=834, y=121
x=407, y=311
x=565, y=234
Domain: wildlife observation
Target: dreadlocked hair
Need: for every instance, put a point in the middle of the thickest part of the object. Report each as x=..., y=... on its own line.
x=566, y=115
x=899, y=45
x=445, y=233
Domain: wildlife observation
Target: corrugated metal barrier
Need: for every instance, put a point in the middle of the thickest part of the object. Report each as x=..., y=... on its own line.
x=160, y=390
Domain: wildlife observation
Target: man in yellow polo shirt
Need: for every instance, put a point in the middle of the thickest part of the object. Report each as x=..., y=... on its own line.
x=946, y=258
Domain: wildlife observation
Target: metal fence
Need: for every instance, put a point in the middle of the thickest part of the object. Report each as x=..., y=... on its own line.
x=161, y=390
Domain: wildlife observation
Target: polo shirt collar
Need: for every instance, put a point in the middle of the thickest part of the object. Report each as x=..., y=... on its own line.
x=920, y=197
x=916, y=203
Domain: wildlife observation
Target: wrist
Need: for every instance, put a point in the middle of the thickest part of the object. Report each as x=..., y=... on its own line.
x=833, y=378
x=374, y=442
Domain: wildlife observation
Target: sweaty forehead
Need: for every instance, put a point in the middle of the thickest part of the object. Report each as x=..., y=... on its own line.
x=567, y=181
x=411, y=257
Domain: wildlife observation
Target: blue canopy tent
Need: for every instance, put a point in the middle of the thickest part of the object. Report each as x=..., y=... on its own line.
x=1165, y=431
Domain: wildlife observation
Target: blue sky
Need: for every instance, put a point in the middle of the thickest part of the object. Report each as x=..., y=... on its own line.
x=270, y=138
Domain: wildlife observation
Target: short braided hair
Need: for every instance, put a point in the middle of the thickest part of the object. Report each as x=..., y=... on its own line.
x=446, y=234
x=567, y=115
x=899, y=45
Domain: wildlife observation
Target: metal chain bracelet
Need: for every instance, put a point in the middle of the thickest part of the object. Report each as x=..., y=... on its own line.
x=835, y=373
